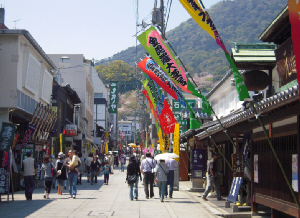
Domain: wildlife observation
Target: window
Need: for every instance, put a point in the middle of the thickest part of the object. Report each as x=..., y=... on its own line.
x=65, y=59
x=98, y=95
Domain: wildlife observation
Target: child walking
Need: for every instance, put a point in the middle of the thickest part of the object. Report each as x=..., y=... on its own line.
x=106, y=172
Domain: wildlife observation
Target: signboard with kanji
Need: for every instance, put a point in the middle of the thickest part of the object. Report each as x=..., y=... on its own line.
x=238, y=165
x=178, y=107
x=71, y=130
x=197, y=161
x=4, y=172
x=7, y=136
x=113, y=98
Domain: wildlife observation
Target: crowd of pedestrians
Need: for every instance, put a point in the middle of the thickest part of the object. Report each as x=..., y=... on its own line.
x=71, y=166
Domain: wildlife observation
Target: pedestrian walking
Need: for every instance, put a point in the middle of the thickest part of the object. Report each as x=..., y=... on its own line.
x=123, y=162
x=147, y=169
x=72, y=175
x=172, y=164
x=133, y=175
x=106, y=172
x=161, y=178
x=212, y=179
x=29, y=172
x=95, y=169
x=49, y=173
x=53, y=161
x=62, y=173
x=88, y=162
x=80, y=169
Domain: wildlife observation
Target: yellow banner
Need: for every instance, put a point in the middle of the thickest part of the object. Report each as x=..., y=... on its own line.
x=152, y=145
x=167, y=143
x=176, y=141
x=60, y=142
x=161, y=141
x=106, y=148
x=199, y=15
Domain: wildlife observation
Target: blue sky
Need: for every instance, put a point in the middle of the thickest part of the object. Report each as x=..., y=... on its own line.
x=95, y=28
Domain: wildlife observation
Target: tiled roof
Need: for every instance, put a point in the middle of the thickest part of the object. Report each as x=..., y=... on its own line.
x=287, y=96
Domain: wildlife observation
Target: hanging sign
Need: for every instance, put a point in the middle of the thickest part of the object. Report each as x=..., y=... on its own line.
x=176, y=141
x=29, y=132
x=167, y=143
x=197, y=160
x=237, y=165
x=113, y=98
x=71, y=130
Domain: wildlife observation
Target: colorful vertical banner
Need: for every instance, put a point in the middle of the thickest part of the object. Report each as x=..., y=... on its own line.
x=113, y=98
x=29, y=132
x=148, y=66
x=161, y=141
x=206, y=23
x=176, y=141
x=106, y=148
x=15, y=141
x=164, y=57
x=7, y=136
x=294, y=16
x=60, y=142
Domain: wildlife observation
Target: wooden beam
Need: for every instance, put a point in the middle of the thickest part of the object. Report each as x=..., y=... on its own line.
x=283, y=206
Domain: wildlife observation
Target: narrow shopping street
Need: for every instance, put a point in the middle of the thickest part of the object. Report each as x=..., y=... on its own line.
x=99, y=200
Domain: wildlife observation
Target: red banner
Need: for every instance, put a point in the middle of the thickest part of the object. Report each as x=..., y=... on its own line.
x=148, y=66
x=294, y=15
x=167, y=119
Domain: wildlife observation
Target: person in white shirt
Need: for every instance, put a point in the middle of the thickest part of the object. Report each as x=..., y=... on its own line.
x=147, y=168
x=172, y=164
x=88, y=162
x=161, y=178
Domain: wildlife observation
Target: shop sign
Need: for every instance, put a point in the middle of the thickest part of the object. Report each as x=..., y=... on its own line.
x=113, y=97
x=235, y=189
x=197, y=160
x=71, y=130
x=156, y=152
x=7, y=136
x=238, y=165
x=179, y=107
x=4, y=172
x=286, y=63
x=29, y=132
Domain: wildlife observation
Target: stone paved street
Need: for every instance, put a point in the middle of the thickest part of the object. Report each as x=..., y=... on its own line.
x=99, y=200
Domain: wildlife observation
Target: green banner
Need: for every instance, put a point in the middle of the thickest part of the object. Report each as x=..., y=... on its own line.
x=7, y=136
x=113, y=98
x=238, y=79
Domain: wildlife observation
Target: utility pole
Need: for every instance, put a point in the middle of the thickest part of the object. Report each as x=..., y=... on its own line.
x=162, y=18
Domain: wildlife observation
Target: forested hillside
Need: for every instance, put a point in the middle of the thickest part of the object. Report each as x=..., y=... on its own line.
x=236, y=21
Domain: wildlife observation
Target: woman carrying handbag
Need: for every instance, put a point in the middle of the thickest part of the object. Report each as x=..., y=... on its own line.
x=49, y=173
x=62, y=173
x=133, y=174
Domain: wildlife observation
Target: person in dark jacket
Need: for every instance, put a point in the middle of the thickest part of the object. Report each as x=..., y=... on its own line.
x=133, y=168
x=63, y=176
x=95, y=168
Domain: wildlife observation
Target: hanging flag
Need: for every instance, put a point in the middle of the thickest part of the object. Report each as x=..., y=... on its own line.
x=294, y=16
x=205, y=22
x=15, y=141
x=176, y=141
x=60, y=142
x=194, y=123
x=148, y=66
x=29, y=132
x=164, y=57
x=167, y=143
x=167, y=119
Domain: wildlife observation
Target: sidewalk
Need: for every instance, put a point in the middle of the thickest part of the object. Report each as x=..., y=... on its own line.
x=100, y=200
x=218, y=207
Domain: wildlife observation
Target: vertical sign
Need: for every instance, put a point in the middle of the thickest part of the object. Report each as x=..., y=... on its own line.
x=113, y=98
x=295, y=172
x=7, y=136
x=4, y=173
x=161, y=141
x=60, y=142
x=238, y=164
x=197, y=160
x=255, y=168
x=176, y=141
x=167, y=143
x=235, y=189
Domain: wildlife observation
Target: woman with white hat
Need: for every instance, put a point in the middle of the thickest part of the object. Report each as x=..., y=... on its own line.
x=63, y=173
